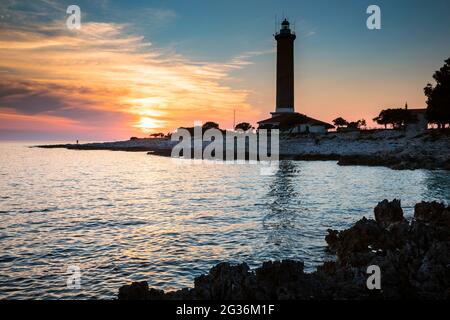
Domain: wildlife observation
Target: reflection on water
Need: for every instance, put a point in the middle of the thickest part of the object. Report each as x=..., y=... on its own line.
x=281, y=222
x=436, y=184
x=129, y=216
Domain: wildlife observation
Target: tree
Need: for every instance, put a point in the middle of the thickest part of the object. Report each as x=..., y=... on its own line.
x=398, y=118
x=362, y=123
x=210, y=125
x=357, y=124
x=157, y=135
x=382, y=118
x=244, y=126
x=438, y=102
x=340, y=122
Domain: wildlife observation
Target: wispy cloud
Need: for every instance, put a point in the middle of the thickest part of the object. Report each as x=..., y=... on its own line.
x=304, y=29
x=85, y=77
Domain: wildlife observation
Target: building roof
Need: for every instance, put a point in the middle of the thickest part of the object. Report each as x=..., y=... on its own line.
x=294, y=119
x=415, y=111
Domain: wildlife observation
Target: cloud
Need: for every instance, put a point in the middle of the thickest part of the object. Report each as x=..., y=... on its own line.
x=12, y=89
x=304, y=29
x=104, y=70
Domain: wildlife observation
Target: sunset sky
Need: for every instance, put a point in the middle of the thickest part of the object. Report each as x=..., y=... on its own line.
x=137, y=67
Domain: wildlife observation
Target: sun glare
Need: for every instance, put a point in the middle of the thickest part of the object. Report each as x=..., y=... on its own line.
x=147, y=124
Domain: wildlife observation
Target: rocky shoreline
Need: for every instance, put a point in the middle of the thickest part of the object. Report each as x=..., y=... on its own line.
x=395, y=149
x=413, y=256
x=389, y=148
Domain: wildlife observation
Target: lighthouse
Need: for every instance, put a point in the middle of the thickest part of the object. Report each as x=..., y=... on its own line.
x=285, y=118
x=285, y=69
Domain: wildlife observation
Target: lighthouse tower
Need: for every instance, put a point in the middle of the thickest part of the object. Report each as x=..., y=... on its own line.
x=285, y=118
x=285, y=70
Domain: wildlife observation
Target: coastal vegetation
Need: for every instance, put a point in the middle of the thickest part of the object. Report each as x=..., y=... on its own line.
x=244, y=126
x=398, y=118
x=438, y=97
x=210, y=125
x=342, y=124
x=157, y=135
x=438, y=104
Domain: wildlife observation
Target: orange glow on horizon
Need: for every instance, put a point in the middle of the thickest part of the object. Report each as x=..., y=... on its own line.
x=102, y=70
x=147, y=124
x=103, y=80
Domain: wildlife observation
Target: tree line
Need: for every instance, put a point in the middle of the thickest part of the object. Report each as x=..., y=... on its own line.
x=438, y=107
x=342, y=123
x=438, y=104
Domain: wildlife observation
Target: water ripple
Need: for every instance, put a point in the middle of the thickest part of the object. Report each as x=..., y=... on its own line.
x=125, y=217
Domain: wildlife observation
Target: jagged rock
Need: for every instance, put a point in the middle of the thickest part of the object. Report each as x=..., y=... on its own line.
x=387, y=213
x=432, y=212
x=225, y=282
x=357, y=245
x=433, y=274
x=279, y=279
x=139, y=291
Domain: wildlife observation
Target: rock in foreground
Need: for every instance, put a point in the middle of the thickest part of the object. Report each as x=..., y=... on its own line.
x=414, y=258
